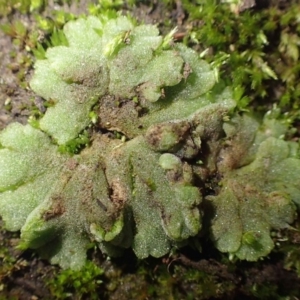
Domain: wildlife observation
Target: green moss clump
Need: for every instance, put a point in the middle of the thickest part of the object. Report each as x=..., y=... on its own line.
x=256, y=50
x=83, y=283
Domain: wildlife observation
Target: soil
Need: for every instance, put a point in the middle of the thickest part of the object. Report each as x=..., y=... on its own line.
x=26, y=275
x=11, y=94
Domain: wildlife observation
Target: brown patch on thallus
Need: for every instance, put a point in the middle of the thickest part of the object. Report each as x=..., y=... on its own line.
x=56, y=210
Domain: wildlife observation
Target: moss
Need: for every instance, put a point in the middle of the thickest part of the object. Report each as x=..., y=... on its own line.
x=6, y=7
x=8, y=261
x=70, y=283
x=258, y=48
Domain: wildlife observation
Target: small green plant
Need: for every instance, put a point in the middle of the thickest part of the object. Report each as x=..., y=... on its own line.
x=24, y=6
x=257, y=48
x=136, y=146
x=34, y=41
x=83, y=283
